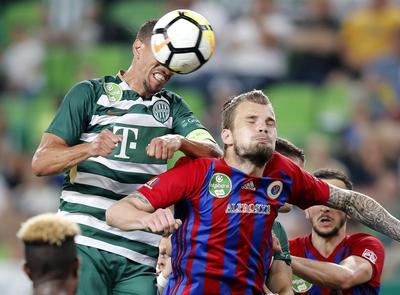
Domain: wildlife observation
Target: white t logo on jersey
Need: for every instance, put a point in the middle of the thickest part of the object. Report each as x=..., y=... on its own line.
x=124, y=143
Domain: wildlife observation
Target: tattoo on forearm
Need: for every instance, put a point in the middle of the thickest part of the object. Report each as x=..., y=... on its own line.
x=365, y=210
x=140, y=197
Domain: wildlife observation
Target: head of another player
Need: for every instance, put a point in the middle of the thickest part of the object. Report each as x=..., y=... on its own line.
x=249, y=127
x=164, y=253
x=50, y=252
x=325, y=221
x=294, y=153
x=151, y=75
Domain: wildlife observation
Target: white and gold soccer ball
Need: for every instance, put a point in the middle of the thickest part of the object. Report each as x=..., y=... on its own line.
x=183, y=41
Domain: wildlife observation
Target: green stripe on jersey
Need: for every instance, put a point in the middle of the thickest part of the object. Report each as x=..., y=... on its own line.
x=122, y=242
x=78, y=208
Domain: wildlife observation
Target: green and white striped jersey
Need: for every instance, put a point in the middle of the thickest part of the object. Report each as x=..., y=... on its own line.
x=95, y=184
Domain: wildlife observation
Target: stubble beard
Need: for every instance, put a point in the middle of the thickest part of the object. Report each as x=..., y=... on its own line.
x=332, y=233
x=257, y=155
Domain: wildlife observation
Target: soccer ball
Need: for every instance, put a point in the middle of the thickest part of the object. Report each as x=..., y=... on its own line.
x=182, y=41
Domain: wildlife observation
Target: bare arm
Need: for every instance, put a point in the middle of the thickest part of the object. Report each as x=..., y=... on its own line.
x=135, y=212
x=54, y=156
x=350, y=272
x=365, y=210
x=164, y=147
x=280, y=278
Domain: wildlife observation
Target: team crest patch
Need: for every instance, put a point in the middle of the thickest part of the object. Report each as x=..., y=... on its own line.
x=370, y=255
x=113, y=91
x=220, y=185
x=161, y=111
x=299, y=285
x=152, y=182
x=274, y=189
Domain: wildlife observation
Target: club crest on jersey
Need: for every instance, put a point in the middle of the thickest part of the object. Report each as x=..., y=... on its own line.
x=161, y=111
x=113, y=91
x=370, y=255
x=299, y=285
x=152, y=182
x=274, y=189
x=220, y=185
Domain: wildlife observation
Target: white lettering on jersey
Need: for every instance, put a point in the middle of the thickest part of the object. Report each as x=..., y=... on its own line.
x=124, y=143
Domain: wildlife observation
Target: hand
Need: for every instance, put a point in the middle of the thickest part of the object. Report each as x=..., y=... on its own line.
x=104, y=143
x=165, y=146
x=161, y=221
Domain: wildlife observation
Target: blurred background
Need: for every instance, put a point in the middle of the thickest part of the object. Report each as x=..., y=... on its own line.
x=330, y=67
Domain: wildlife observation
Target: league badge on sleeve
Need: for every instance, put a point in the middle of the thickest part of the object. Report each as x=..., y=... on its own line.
x=370, y=255
x=152, y=182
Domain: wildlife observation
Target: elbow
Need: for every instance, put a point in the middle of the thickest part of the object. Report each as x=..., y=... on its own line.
x=343, y=282
x=37, y=168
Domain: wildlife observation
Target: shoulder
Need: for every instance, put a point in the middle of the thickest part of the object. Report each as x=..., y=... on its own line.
x=363, y=239
x=297, y=243
x=198, y=162
x=280, y=163
x=171, y=96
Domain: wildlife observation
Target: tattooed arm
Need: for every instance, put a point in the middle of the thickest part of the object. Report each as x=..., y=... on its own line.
x=135, y=212
x=365, y=210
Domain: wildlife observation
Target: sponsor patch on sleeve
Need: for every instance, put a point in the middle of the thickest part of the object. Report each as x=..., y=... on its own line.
x=370, y=255
x=152, y=182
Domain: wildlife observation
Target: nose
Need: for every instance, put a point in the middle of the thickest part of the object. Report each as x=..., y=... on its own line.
x=325, y=209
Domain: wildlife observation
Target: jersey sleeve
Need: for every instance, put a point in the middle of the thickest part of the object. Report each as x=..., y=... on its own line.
x=184, y=120
x=180, y=182
x=307, y=190
x=371, y=249
x=280, y=233
x=72, y=117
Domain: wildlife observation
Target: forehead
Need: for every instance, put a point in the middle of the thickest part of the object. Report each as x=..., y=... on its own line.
x=251, y=108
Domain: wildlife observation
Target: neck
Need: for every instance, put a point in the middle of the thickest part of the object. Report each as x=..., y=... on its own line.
x=326, y=245
x=54, y=287
x=245, y=166
x=132, y=80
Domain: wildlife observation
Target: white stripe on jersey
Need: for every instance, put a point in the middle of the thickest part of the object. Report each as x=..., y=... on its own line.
x=88, y=137
x=142, y=119
x=106, y=183
x=153, y=169
x=122, y=104
x=130, y=254
x=87, y=200
x=135, y=235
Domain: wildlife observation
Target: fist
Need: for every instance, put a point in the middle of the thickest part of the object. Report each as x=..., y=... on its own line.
x=162, y=221
x=104, y=143
x=164, y=147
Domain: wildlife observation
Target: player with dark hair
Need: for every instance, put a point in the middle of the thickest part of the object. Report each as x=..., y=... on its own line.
x=329, y=260
x=110, y=136
x=51, y=260
x=224, y=208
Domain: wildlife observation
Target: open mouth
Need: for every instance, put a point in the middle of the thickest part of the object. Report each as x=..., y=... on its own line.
x=325, y=220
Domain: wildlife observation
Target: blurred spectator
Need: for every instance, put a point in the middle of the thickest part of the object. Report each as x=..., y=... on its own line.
x=22, y=62
x=315, y=44
x=72, y=22
x=383, y=79
x=256, y=55
x=367, y=33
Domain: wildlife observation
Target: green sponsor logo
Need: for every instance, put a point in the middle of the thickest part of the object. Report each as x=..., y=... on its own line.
x=220, y=185
x=299, y=285
x=113, y=91
x=161, y=111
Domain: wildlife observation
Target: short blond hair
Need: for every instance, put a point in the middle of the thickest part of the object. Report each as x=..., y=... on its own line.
x=48, y=228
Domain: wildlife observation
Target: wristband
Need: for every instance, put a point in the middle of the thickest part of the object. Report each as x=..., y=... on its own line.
x=161, y=281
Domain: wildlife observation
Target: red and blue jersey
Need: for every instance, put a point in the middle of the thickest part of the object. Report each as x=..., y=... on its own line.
x=362, y=245
x=224, y=243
